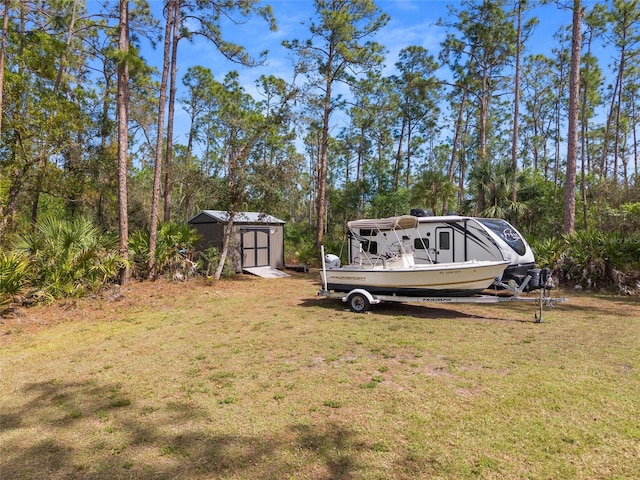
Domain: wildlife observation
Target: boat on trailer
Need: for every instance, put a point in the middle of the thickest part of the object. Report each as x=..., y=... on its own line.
x=396, y=271
x=393, y=275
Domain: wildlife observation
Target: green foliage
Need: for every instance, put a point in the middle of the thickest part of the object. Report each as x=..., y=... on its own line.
x=587, y=256
x=139, y=253
x=69, y=257
x=593, y=259
x=208, y=260
x=544, y=205
x=626, y=217
x=300, y=243
x=388, y=203
x=432, y=189
x=175, y=246
x=14, y=271
x=548, y=252
x=174, y=250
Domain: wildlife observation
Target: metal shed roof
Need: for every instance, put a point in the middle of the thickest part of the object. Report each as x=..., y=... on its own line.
x=206, y=216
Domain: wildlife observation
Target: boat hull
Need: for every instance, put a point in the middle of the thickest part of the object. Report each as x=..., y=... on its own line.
x=451, y=279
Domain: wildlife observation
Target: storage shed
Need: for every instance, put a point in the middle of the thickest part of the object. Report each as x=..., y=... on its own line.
x=257, y=239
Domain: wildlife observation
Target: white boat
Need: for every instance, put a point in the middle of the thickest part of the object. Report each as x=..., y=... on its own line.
x=396, y=272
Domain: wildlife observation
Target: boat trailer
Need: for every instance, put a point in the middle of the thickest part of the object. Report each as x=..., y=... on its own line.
x=360, y=300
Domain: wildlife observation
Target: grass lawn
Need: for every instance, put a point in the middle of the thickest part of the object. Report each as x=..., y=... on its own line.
x=260, y=379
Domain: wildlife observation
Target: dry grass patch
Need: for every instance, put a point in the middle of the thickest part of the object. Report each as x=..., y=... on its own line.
x=253, y=378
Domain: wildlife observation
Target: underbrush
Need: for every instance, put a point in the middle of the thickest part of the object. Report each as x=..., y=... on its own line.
x=71, y=258
x=593, y=259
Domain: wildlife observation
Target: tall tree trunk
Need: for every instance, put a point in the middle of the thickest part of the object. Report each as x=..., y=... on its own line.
x=226, y=244
x=168, y=170
x=322, y=165
x=157, y=178
x=583, y=156
x=396, y=170
x=3, y=52
x=44, y=151
x=635, y=140
x=584, y=129
x=572, y=137
x=516, y=109
x=607, y=129
x=123, y=136
x=616, y=137
x=63, y=58
x=454, y=147
x=408, y=172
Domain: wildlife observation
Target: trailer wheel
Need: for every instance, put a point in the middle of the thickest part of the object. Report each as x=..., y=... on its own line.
x=358, y=303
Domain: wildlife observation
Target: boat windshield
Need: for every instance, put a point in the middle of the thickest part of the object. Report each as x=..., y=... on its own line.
x=506, y=232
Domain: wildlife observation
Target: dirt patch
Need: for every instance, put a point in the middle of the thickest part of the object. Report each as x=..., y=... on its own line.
x=117, y=301
x=16, y=320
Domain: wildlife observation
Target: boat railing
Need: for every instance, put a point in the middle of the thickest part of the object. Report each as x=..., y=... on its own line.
x=370, y=260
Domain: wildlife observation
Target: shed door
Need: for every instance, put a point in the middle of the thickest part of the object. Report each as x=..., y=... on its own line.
x=255, y=244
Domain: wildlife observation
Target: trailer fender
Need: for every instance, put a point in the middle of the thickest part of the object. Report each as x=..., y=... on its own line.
x=359, y=300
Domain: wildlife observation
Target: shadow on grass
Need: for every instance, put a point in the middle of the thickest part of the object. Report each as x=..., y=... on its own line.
x=427, y=311
x=81, y=430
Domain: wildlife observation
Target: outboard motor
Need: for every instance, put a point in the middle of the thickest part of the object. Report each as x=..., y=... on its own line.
x=534, y=283
x=539, y=278
x=332, y=261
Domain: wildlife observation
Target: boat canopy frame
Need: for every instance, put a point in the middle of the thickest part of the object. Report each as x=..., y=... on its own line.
x=382, y=225
x=401, y=222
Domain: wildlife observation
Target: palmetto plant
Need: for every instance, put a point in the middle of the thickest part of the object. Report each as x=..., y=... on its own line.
x=549, y=252
x=592, y=258
x=69, y=257
x=588, y=256
x=174, y=249
x=14, y=270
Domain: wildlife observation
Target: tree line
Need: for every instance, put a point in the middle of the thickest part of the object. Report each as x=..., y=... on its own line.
x=484, y=126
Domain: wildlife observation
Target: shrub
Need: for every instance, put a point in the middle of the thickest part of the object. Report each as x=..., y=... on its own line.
x=69, y=257
x=300, y=243
x=587, y=259
x=549, y=253
x=174, y=250
x=14, y=270
x=207, y=262
x=593, y=259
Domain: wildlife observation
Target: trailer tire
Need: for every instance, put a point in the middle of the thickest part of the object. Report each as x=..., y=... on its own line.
x=358, y=302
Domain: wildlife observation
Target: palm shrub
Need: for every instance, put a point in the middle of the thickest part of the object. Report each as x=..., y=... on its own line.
x=587, y=261
x=174, y=250
x=14, y=272
x=592, y=258
x=69, y=257
x=549, y=252
x=139, y=253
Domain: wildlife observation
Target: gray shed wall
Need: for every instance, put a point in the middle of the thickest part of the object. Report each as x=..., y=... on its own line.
x=243, y=249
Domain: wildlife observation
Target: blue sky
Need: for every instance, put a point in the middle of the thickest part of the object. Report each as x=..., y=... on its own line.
x=412, y=22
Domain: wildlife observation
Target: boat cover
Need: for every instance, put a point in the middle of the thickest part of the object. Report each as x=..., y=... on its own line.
x=391, y=223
